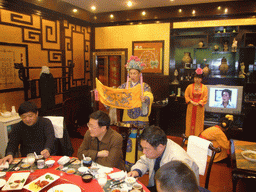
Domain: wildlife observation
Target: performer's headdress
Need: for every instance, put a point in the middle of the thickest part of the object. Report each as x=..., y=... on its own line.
x=199, y=73
x=134, y=63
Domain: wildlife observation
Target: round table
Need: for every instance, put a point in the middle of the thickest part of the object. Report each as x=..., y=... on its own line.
x=64, y=178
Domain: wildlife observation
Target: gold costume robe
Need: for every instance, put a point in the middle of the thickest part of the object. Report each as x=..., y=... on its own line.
x=218, y=139
x=195, y=114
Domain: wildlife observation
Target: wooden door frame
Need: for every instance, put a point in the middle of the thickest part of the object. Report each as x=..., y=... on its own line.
x=108, y=52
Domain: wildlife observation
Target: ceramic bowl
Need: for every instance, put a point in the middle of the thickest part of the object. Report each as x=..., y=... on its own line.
x=2, y=174
x=87, y=177
x=70, y=171
x=49, y=163
x=82, y=170
x=130, y=180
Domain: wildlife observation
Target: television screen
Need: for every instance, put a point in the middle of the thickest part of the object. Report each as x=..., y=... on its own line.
x=224, y=99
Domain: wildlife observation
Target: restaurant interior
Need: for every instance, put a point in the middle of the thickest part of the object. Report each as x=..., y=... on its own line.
x=79, y=45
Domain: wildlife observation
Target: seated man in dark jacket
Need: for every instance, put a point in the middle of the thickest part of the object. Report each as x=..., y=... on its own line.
x=33, y=134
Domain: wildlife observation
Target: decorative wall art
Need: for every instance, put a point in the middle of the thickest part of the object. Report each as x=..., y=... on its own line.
x=151, y=53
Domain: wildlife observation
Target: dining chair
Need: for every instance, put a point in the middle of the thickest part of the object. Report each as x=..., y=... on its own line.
x=214, y=151
x=62, y=144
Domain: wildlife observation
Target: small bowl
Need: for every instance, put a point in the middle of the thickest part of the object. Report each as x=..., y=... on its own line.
x=70, y=171
x=39, y=157
x=130, y=180
x=25, y=165
x=82, y=170
x=2, y=174
x=87, y=177
x=49, y=163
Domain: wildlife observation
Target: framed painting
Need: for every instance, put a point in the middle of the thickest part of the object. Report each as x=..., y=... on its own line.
x=151, y=53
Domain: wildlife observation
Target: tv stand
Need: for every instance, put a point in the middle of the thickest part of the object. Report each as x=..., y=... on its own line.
x=212, y=119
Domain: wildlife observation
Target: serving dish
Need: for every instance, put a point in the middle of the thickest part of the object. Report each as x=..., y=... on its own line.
x=41, y=182
x=16, y=181
x=65, y=188
x=249, y=155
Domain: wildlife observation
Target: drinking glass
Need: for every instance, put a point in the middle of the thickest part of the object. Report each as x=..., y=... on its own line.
x=31, y=159
x=102, y=179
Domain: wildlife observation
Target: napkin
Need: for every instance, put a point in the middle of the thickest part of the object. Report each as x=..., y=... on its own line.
x=118, y=175
x=57, y=122
x=63, y=160
x=4, y=166
x=197, y=149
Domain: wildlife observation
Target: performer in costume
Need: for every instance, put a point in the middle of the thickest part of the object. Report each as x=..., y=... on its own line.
x=196, y=95
x=136, y=116
x=217, y=135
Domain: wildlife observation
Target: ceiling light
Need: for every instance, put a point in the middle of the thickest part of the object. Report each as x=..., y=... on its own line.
x=75, y=10
x=143, y=13
x=171, y=0
x=111, y=16
x=193, y=12
x=219, y=8
x=129, y=3
x=226, y=10
x=93, y=8
x=180, y=10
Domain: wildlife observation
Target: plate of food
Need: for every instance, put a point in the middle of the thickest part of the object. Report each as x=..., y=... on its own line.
x=41, y=182
x=65, y=188
x=249, y=155
x=16, y=181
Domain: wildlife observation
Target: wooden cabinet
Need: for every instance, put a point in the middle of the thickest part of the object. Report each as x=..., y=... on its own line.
x=5, y=129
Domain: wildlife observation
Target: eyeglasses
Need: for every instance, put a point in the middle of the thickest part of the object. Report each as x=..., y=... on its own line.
x=90, y=126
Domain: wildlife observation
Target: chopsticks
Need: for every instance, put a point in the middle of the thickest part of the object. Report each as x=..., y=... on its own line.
x=12, y=169
x=68, y=163
x=111, y=186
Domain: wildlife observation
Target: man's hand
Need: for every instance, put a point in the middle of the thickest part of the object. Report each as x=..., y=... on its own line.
x=103, y=153
x=45, y=153
x=133, y=174
x=8, y=158
x=143, y=99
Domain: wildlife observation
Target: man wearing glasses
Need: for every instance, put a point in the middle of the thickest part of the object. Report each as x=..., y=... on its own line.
x=101, y=143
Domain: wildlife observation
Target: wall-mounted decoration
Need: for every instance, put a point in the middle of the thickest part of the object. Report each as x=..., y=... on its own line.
x=10, y=54
x=151, y=53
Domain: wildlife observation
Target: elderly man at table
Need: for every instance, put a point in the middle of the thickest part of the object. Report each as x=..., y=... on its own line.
x=176, y=176
x=33, y=134
x=158, y=150
x=101, y=143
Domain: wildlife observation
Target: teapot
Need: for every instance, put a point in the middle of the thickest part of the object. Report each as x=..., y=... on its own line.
x=6, y=114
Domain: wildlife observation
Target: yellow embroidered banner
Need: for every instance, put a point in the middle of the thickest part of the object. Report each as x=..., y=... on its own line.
x=119, y=98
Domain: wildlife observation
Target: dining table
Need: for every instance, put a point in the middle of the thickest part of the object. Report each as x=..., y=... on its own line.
x=63, y=177
x=242, y=168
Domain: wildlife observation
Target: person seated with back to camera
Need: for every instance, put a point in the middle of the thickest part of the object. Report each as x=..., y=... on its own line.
x=176, y=176
x=158, y=150
x=217, y=135
x=102, y=143
x=32, y=133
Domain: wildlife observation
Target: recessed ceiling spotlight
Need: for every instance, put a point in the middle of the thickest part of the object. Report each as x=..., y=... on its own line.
x=143, y=13
x=157, y=22
x=129, y=3
x=93, y=8
x=75, y=10
x=171, y=0
x=226, y=10
x=95, y=17
x=131, y=23
x=219, y=8
x=111, y=16
x=180, y=10
x=193, y=12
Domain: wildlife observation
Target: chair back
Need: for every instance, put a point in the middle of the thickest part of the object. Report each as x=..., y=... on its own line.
x=202, y=143
x=63, y=144
x=125, y=132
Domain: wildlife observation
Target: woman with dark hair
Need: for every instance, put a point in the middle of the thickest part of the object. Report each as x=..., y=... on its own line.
x=196, y=95
x=217, y=136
